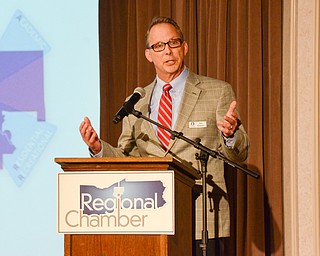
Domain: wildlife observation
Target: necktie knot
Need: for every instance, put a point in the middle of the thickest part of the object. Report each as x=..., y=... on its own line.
x=167, y=88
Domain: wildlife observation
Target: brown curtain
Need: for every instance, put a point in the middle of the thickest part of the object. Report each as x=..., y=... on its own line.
x=237, y=41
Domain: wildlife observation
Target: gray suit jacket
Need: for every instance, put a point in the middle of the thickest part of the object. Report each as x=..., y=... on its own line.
x=205, y=101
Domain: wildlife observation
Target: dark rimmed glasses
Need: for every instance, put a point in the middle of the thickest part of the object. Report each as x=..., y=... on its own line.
x=172, y=43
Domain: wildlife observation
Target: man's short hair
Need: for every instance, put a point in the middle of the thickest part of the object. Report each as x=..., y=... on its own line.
x=158, y=20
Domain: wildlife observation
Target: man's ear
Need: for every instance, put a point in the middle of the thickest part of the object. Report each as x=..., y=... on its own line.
x=186, y=48
x=148, y=55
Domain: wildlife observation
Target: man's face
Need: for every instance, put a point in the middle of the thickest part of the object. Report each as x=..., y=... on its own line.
x=169, y=62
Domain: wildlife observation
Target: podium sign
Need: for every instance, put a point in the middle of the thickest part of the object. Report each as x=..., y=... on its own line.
x=116, y=202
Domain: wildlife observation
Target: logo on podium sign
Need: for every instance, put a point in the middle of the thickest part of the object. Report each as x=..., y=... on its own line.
x=121, y=202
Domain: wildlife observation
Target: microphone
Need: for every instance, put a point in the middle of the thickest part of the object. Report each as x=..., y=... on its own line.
x=127, y=107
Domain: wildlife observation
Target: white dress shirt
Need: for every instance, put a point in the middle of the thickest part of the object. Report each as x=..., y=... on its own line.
x=176, y=93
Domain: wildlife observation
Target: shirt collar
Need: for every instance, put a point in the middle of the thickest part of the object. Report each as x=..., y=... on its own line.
x=178, y=83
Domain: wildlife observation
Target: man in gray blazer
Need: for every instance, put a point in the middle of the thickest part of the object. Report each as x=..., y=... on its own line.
x=202, y=107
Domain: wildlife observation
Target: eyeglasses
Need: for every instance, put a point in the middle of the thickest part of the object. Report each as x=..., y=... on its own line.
x=173, y=43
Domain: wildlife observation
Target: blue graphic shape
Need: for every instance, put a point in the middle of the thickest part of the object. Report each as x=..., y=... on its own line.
x=30, y=138
x=21, y=35
x=131, y=190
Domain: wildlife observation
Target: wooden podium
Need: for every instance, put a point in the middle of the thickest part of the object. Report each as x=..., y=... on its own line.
x=179, y=244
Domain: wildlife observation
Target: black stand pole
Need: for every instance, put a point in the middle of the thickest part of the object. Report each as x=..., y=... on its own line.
x=203, y=157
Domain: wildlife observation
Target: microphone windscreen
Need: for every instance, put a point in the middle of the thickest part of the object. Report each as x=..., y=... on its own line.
x=141, y=91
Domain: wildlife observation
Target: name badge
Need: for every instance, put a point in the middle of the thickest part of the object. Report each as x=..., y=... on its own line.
x=198, y=124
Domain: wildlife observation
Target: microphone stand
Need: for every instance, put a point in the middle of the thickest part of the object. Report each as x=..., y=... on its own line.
x=203, y=158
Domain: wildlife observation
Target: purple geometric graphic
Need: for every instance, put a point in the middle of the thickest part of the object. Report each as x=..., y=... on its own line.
x=21, y=82
x=24, y=133
x=21, y=89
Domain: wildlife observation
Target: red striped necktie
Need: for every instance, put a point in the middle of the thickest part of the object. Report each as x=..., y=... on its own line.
x=165, y=115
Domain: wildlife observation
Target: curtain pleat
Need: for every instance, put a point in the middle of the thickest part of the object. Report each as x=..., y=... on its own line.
x=238, y=41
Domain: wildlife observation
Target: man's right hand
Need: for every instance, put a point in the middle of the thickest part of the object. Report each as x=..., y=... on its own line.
x=89, y=136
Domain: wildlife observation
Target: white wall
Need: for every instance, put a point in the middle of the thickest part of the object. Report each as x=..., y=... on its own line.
x=66, y=31
x=301, y=180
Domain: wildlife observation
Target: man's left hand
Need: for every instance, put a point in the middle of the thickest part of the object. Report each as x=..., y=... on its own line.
x=230, y=121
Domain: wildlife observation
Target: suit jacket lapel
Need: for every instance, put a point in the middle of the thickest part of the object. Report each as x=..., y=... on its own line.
x=145, y=111
x=189, y=100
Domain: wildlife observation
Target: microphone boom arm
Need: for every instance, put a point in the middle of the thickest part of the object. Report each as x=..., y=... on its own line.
x=196, y=144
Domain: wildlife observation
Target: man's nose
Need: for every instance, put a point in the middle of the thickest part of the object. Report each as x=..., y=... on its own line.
x=167, y=49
